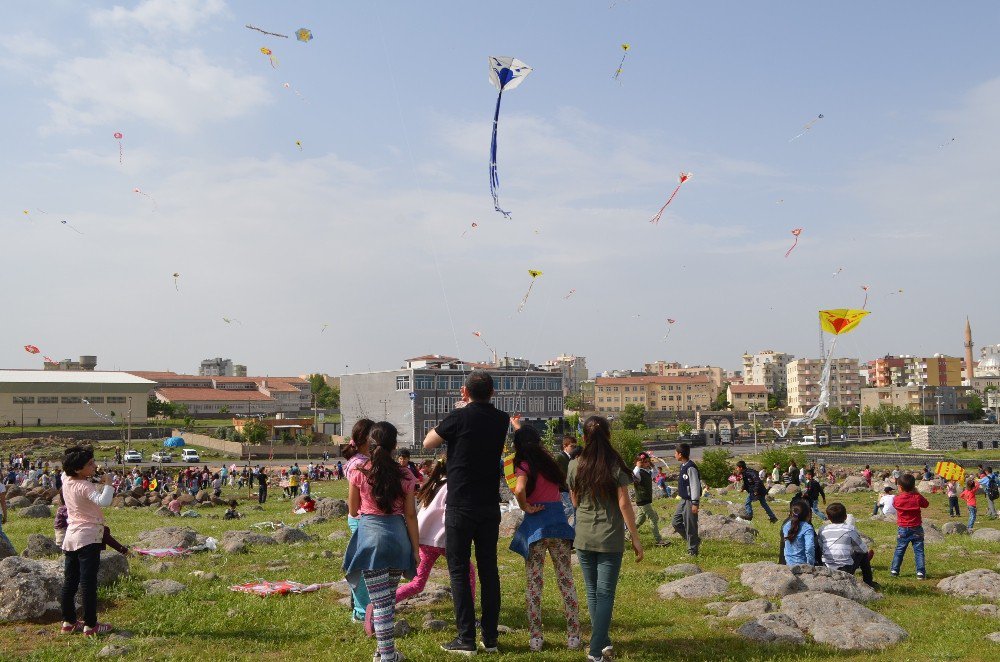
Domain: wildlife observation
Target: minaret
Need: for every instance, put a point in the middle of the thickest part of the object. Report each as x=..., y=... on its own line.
x=969, y=371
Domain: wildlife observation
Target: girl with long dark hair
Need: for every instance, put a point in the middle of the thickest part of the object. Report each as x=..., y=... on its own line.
x=430, y=521
x=384, y=547
x=798, y=536
x=598, y=485
x=544, y=528
x=357, y=454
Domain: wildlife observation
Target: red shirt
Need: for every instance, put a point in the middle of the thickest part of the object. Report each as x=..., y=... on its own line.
x=545, y=490
x=908, y=505
x=970, y=497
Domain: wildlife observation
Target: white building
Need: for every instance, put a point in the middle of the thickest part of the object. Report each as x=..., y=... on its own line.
x=766, y=368
x=573, y=370
x=220, y=367
x=57, y=397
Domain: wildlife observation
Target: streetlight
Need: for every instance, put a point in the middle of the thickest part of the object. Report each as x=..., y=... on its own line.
x=938, y=398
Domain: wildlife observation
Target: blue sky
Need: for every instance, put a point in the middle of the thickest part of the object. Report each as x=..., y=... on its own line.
x=361, y=229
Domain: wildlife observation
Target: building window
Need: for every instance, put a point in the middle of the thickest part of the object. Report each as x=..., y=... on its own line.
x=116, y=400
x=423, y=382
x=508, y=402
x=428, y=426
x=402, y=382
x=456, y=382
x=508, y=383
x=95, y=399
x=443, y=405
x=442, y=382
x=429, y=406
x=69, y=400
x=46, y=400
x=24, y=400
x=538, y=384
x=553, y=383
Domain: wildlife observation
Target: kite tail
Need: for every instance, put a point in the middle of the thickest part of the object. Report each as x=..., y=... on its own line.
x=865, y=304
x=618, y=71
x=656, y=218
x=520, y=306
x=824, y=392
x=494, y=177
x=793, y=247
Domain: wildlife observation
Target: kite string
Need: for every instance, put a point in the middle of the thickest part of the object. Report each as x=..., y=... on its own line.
x=416, y=176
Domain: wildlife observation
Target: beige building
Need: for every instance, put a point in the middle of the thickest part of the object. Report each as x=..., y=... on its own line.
x=664, y=369
x=239, y=396
x=951, y=401
x=58, y=397
x=766, y=368
x=655, y=393
x=573, y=370
x=744, y=397
x=804, y=387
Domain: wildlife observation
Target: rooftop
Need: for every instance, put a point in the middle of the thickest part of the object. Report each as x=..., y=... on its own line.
x=174, y=394
x=656, y=379
x=747, y=388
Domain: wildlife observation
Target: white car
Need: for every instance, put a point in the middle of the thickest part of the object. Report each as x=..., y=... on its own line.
x=190, y=455
x=162, y=456
x=132, y=456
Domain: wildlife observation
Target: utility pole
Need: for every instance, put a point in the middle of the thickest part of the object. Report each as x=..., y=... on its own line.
x=938, y=398
x=128, y=443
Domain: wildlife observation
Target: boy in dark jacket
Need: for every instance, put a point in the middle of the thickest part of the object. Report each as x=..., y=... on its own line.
x=814, y=490
x=755, y=490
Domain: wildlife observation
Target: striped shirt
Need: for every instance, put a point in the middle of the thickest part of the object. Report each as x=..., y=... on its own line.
x=840, y=542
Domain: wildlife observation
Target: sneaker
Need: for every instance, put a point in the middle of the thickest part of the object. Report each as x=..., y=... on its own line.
x=875, y=586
x=573, y=643
x=921, y=575
x=661, y=543
x=100, y=628
x=456, y=645
x=397, y=657
x=894, y=573
x=489, y=648
x=773, y=520
x=71, y=629
x=535, y=644
x=370, y=620
x=608, y=654
x=591, y=658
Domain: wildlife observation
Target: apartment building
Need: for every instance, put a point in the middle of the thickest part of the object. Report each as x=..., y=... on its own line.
x=804, y=387
x=573, y=370
x=937, y=370
x=655, y=393
x=664, y=369
x=766, y=368
x=743, y=397
x=951, y=401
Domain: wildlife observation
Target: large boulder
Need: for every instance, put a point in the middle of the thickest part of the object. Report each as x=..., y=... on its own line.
x=133, y=502
x=932, y=534
x=680, y=570
x=700, y=586
x=331, y=508
x=972, y=584
x=750, y=608
x=853, y=484
x=114, y=566
x=776, y=490
x=289, y=535
x=509, y=521
x=163, y=587
x=953, y=528
x=37, y=511
x=987, y=535
x=772, y=628
x=792, y=488
x=167, y=536
x=926, y=486
x=773, y=580
x=840, y=622
x=721, y=527
x=19, y=502
x=40, y=546
x=236, y=542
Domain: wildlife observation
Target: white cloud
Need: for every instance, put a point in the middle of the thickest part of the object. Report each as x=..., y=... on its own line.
x=160, y=15
x=179, y=93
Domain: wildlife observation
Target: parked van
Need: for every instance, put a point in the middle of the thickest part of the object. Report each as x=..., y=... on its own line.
x=189, y=455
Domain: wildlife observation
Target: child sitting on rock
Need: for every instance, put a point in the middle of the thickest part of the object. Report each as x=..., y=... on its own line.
x=843, y=547
x=231, y=512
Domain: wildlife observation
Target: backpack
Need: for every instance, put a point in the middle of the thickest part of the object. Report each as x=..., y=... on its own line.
x=992, y=493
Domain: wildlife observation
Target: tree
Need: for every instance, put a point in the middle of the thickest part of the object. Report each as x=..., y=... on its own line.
x=976, y=406
x=551, y=427
x=254, y=432
x=834, y=416
x=777, y=399
x=684, y=428
x=720, y=404
x=715, y=467
x=572, y=423
x=224, y=409
x=632, y=417
x=327, y=397
x=574, y=402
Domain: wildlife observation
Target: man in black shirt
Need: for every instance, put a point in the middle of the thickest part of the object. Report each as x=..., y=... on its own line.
x=755, y=490
x=814, y=490
x=475, y=436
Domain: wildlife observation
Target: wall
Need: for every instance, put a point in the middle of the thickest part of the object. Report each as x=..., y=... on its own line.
x=955, y=437
x=103, y=434
x=263, y=451
x=886, y=460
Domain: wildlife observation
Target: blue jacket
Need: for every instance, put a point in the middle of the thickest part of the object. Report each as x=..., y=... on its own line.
x=802, y=549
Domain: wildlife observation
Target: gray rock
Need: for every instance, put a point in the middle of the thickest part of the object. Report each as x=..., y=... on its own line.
x=331, y=508
x=841, y=623
x=29, y=589
x=732, y=529
x=772, y=628
x=982, y=610
x=776, y=490
x=953, y=528
x=700, y=586
x=160, y=567
x=40, y=546
x=167, y=536
x=719, y=608
x=792, y=488
x=773, y=580
x=19, y=502
x=932, y=534
x=994, y=637
x=432, y=594
x=979, y=583
x=925, y=486
x=337, y=535
x=163, y=511
x=133, y=502
x=509, y=522
x=163, y=587
x=288, y=535
x=435, y=625
x=115, y=650
x=680, y=570
x=853, y=484
x=401, y=628
x=750, y=609
x=113, y=567
x=236, y=542
x=988, y=535
x=313, y=519
x=37, y=511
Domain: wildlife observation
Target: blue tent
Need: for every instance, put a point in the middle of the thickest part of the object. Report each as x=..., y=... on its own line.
x=173, y=442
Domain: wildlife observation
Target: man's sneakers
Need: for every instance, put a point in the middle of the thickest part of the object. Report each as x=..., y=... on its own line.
x=456, y=645
x=921, y=575
x=773, y=520
x=489, y=648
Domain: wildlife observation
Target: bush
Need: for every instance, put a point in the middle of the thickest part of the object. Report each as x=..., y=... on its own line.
x=783, y=456
x=628, y=443
x=715, y=468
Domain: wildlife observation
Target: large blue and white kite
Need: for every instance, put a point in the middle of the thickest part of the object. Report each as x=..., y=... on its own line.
x=506, y=73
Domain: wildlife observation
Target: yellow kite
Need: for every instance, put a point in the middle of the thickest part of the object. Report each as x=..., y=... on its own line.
x=841, y=320
x=950, y=471
x=508, y=471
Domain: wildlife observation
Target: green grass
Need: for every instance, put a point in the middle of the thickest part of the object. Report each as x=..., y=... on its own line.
x=196, y=624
